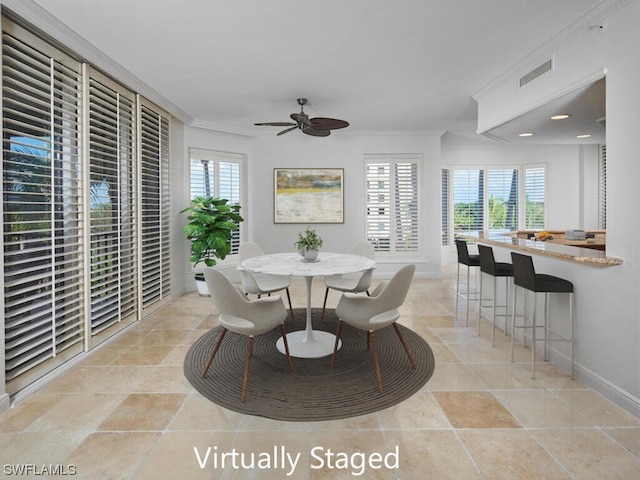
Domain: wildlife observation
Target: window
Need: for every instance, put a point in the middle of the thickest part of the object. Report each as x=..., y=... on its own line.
x=489, y=198
x=43, y=205
x=468, y=200
x=502, y=202
x=217, y=174
x=446, y=227
x=112, y=203
x=393, y=221
x=85, y=189
x=534, y=194
x=602, y=187
x=155, y=272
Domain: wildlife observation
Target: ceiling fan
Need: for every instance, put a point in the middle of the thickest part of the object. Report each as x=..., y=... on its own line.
x=317, y=127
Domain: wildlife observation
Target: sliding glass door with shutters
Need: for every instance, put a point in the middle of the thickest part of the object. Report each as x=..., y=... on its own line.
x=43, y=208
x=155, y=263
x=86, y=219
x=112, y=206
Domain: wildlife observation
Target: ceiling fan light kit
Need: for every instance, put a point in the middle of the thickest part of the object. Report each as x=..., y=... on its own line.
x=316, y=127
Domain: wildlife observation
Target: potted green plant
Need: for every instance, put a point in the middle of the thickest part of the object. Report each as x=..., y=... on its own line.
x=212, y=222
x=308, y=244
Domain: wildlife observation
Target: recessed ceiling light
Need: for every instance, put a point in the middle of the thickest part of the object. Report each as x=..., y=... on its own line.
x=561, y=116
x=583, y=136
x=526, y=134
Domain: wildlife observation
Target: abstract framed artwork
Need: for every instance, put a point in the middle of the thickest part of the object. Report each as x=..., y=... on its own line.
x=308, y=195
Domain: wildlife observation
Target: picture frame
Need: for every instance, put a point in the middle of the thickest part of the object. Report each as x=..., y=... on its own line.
x=308, y=195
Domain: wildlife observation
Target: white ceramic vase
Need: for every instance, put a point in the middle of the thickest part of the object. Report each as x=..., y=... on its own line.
x=311, y=255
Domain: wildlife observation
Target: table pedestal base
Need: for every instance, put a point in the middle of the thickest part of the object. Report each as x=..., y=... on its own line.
x=302, y=345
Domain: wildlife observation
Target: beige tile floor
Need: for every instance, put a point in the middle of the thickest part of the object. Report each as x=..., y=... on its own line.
x=126, y=411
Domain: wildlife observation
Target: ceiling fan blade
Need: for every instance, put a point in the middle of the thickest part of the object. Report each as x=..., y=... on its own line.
x=287, y=130
x=328, y=123
x=275, y=124
x=316, y=132
x=301, y=118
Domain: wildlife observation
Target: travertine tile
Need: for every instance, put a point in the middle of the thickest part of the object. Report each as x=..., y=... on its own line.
x=588, y=453
x=541, y=408
x=510, y=454
x=431, y=454
x=418, y=411
x=451, y=376
x=474, y=410
x=598, y=409
x=143, y=411
x=111, y=455
x=629, y=438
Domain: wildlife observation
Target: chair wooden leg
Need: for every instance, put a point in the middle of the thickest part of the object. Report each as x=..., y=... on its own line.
x=215, y=350
x=404, y=344
x=324, y=304
x=374, y=348
x=290, y=306
x=246, y=368
x=369, y=339
x=286, y=345
x=335, y=345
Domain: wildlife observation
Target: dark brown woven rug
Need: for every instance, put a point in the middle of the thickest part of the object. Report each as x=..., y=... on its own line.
x=313, y=391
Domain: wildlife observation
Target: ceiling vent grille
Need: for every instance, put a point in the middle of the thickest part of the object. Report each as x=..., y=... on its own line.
x=536, y=72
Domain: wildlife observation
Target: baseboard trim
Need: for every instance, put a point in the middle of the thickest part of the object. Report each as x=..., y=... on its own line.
x=5, y=402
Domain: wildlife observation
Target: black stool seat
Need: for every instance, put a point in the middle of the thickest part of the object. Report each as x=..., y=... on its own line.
x=464, y=257
x=551, y=284
x=470, y=260
x=526, y=277
x=489, y=266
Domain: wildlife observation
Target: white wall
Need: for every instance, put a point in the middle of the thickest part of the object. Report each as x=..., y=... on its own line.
x=341, y=151
x=607, y=301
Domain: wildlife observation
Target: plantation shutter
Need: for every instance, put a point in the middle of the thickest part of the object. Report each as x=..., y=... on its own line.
x=406, y=207
x=468, y=200
x=393, y=204
x=502, y=189
x=534, y=190
x=112, y=204
x=155, y=281
x=602, y=187
x=444, y=208
x=42, y=207
x=217, y=174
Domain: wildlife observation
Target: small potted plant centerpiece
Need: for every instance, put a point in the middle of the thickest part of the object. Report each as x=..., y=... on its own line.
x=308, y=244
x=212, y=222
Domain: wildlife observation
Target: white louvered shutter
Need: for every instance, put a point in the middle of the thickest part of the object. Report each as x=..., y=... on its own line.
x=112, y=204
x=155, y=274
x=393, y=220
x=42, y=203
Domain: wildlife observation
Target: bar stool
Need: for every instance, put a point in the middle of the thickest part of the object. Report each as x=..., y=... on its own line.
x=489, y=266
x=470, y=261
x=525, y=276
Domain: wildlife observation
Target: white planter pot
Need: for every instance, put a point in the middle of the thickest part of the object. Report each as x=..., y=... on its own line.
x=201, y=286
x=311, y=255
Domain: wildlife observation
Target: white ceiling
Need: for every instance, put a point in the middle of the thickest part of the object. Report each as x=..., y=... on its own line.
x=384, y=66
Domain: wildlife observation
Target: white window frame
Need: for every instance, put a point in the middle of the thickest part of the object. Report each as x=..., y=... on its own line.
x=217, y=157
x=523, y=195
x=392, y=160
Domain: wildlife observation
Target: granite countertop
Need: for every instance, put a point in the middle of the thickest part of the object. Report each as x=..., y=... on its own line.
x=563, y=251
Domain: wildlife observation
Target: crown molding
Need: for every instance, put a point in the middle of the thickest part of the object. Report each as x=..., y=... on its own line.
x=78, y=47
x=591, y=18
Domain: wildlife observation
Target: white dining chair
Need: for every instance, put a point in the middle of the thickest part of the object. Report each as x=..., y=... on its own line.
x=379, y=310
x=261, y=283
x=356, y=282
x=247, y=317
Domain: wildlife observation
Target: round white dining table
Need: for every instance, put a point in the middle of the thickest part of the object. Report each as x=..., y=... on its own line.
x=308, y=343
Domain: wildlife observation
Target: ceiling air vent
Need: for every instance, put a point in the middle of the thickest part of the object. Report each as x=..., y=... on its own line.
x=535, y=73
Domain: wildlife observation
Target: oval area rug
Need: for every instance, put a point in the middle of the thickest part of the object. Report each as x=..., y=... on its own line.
x=313, y=391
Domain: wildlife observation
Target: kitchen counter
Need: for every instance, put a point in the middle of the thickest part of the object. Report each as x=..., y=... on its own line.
x=579, y=251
